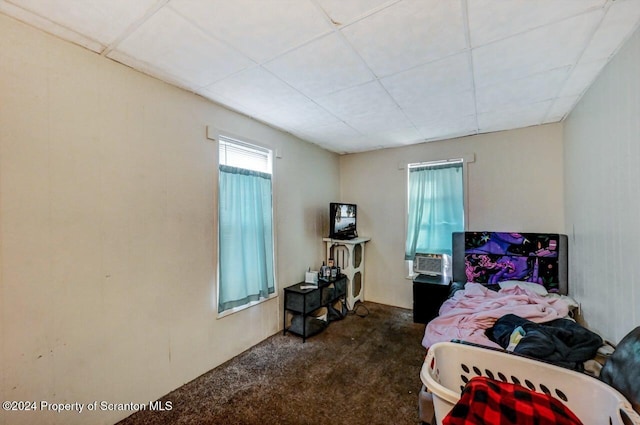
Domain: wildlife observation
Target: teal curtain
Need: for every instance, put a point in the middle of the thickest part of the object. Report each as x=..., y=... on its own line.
x=436, y=208
x=245, y=237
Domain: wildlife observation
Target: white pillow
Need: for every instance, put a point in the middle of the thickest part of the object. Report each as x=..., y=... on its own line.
x=533, y=287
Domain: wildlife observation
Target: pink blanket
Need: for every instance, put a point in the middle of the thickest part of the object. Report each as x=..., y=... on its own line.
x=471, y=311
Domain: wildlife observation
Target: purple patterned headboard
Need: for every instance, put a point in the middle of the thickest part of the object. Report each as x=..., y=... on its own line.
x=492, y=257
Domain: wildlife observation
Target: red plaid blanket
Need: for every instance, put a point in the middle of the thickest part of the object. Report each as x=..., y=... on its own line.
x=488, y=402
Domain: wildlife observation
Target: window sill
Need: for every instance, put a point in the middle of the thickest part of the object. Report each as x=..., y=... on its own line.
x=246, y=306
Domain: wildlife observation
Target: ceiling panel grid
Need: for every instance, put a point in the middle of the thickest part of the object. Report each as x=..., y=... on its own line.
x=358, y=75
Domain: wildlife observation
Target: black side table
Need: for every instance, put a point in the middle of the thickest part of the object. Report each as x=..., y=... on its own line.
x=429, y=292
x=301, y=302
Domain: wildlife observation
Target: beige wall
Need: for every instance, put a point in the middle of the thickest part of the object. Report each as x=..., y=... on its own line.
x=602, y=157
x=514, y=184
x=107, y=230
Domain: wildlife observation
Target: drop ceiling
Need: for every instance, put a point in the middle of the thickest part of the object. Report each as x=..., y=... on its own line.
x=358, y=75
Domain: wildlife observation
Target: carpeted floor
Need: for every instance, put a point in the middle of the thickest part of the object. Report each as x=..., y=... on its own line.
x=360, y=370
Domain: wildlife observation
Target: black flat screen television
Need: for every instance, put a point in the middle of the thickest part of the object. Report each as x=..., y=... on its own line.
x=342, y=220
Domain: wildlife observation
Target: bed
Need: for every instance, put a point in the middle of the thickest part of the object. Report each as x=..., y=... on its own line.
x=498, y=275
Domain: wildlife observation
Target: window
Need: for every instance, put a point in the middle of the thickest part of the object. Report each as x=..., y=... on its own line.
x=435, y=207
x=245, y=225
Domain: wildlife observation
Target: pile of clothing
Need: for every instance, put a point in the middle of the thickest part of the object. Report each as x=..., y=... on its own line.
x=561, y=342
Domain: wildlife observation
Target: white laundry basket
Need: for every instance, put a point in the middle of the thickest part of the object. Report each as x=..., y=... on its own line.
x=449, y=365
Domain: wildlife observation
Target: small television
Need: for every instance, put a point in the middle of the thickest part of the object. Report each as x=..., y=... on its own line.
x=342, y=221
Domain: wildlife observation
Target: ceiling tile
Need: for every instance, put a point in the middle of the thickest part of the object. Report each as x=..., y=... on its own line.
x=619, y=22
x=258, y=90
x=227, y=102
x=321, y=67
x=367, y=108
x=171, y=44
x=344, y=12
x=380, y=122
x=103, y=21
x=414, y=87
x=364, y=100
x=545, y=48
x=441, y=107
x=330, y=131
x=513, y=117
x=388, y=139
x=491, y=20
x=449, y=127
x=407, y=34
x=353, y=145
x=336, y=134
x=531, y=89
x=581, y=77
x=259, y=29
x=298, y=115
x=166, y=75
x=337, y=146
x=398, y=137
x=50, y=27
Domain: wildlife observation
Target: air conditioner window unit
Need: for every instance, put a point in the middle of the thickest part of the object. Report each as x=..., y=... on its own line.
x=431, y=264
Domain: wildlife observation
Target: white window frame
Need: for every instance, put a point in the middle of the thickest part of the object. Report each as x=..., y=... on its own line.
x=227, y=137
x=407, y=165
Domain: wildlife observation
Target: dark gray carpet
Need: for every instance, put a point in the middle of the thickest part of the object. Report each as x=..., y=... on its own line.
x=360, y=370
